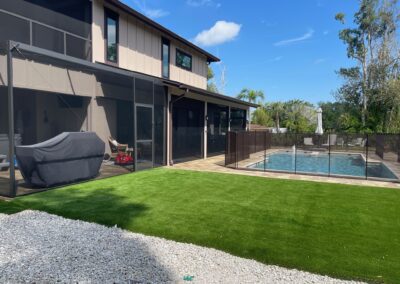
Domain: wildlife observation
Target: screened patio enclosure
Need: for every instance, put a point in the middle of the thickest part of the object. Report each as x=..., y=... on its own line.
x=58, y=94
x=187, y=129
x=217, y=128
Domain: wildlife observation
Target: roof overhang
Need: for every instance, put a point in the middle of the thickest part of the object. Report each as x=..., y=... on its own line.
x=157, y=26
x=52, y=57
x=208, y=93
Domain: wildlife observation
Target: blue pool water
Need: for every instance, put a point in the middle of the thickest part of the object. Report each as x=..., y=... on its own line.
x=309, y=162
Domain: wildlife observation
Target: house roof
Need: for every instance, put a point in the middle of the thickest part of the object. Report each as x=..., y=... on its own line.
x=129, y=10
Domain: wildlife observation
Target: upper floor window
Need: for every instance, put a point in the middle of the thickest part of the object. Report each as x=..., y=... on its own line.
x=183, y=60
x=111, y=31
x=165, y=57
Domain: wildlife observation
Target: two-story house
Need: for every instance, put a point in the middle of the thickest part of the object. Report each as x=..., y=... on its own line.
x=99, y=65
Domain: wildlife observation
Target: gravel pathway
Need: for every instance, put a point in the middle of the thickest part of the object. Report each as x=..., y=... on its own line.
x=43, y=248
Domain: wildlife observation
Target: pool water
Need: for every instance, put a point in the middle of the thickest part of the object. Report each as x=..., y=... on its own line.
x=317, y=162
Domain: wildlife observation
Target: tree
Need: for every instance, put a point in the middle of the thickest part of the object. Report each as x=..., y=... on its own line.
x=372, y=43
x=276, y=109
x=300, y=116
x=211, y=85
x=261, y=117
x=359, y=44
x=250, y=95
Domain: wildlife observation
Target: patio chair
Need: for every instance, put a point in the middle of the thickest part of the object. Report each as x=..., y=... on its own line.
x=357, y=142
x=116, y=147
x=331, y=140
x=340, y=142
x=308, y=141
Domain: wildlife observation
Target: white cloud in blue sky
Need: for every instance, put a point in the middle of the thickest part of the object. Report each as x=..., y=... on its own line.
x=150, y=12
x=199, y=3
x=319, y=60
x=309, y=34
x=220, y=33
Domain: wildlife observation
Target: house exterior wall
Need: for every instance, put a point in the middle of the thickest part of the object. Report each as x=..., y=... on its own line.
x=139, y=48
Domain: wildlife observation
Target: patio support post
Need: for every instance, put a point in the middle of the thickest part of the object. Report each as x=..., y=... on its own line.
x=229, y=118
x=205, y=130
x=134, y=125
x=11, y=144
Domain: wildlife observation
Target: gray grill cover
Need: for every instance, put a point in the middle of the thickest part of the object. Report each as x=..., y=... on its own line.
x=66, y=158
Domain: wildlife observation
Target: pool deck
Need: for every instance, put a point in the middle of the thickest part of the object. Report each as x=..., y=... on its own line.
x=217, y=164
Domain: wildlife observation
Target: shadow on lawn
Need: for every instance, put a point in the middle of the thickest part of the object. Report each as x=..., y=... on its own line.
x=104, y=205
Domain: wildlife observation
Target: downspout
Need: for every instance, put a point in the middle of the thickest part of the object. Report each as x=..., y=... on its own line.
x=171, y=104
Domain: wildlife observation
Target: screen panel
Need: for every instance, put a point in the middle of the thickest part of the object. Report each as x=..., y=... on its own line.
x=14, y=28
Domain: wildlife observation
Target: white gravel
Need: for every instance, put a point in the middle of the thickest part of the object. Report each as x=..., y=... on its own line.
x=43, y=248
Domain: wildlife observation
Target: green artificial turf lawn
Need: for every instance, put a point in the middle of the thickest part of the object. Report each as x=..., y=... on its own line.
x=343, y=231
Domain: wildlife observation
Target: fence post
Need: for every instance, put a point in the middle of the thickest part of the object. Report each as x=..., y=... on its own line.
x=295, y=153
x=265, y=150
x=398, y=148
x=366, y=155
x=329, y=153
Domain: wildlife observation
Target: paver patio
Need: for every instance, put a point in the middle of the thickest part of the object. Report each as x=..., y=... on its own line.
x=217, y=164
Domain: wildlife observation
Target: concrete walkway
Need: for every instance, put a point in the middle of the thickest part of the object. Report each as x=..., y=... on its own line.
x=216, y=164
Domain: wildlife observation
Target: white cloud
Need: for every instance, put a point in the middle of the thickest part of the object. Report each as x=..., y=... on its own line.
x=149, y=12
x=319, y=60
x=276, y=59
x=155, y=13
x=199, y=3
x=304, y=37
x=221, y=32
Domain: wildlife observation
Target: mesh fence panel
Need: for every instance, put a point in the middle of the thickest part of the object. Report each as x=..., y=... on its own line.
x=361, y=156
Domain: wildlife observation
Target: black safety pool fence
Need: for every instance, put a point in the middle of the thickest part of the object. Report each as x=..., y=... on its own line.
x=355, y=155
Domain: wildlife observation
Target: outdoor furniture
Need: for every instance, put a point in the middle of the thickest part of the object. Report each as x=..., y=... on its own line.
x=340, y=142
x=308, y=141
x=117, y=148
x=357, y=142
x=331, y=140
x=4, y=165
x=66, y=158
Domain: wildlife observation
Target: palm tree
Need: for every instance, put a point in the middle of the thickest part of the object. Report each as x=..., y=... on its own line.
x=251, y=96
x=276, y=109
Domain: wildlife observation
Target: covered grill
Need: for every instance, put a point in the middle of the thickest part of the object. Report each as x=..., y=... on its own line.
x=66, y=158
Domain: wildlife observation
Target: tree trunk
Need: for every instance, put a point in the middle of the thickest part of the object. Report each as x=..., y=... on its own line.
x=277, y=123
x=364, y=92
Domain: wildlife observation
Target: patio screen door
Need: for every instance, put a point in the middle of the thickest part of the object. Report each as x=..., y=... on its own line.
x=144, y=134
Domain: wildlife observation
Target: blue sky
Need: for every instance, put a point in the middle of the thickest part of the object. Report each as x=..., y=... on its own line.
x=289, y=49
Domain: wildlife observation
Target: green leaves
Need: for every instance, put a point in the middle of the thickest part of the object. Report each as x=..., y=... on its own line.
x=251, y=95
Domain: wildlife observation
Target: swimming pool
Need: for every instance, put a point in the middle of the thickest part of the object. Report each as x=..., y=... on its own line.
x=318, y=162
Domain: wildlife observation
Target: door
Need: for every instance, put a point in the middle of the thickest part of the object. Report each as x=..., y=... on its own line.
x=144, y=137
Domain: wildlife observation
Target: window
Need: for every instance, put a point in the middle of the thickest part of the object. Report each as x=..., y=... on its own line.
x=183, y=60
x=111, y=25
x=165, y=58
